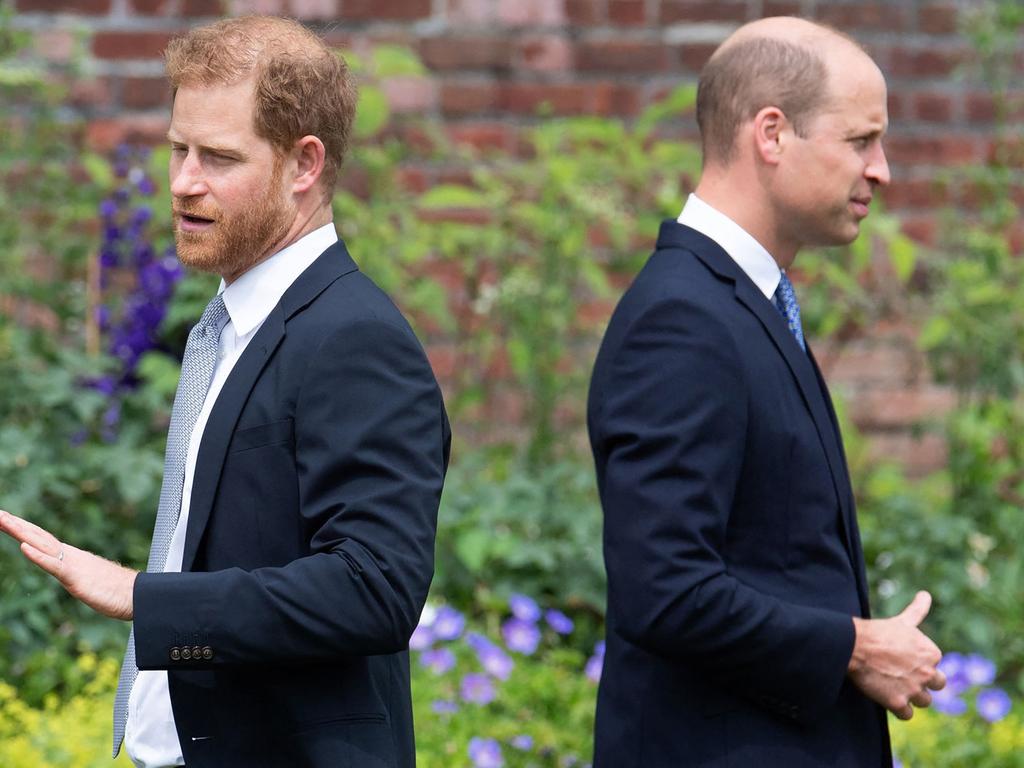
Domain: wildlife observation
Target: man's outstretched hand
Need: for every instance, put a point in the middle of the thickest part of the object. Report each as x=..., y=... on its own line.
x=104, y=586
x=894, y=662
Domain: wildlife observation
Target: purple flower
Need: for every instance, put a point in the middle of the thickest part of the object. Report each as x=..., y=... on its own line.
x=492, y=658
x=523, y=742
x=948, y=702
x=595, y=664
x=448, y=623
x=993, y=704
x=521, y=636
x=421, y=639
x=977, y=670
x=438, y=660
x=952, y=666
x=485, y=753
x=444, y=707
x=559, y=622
x=896, y=762
x=524, y=608
x=477, y=689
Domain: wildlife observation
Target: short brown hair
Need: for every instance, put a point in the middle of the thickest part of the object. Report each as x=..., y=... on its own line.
x=302, y=87
x=743, y=78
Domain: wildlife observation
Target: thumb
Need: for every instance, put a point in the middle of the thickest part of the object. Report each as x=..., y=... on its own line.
x=918, y=608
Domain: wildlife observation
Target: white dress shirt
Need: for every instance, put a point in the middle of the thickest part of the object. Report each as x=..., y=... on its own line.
x=150, y=736
x=750, y=255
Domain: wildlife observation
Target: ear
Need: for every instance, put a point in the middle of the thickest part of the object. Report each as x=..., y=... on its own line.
x=770, y=128
x=308, y=155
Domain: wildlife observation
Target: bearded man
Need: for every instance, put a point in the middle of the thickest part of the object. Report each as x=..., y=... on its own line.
x=307, y=449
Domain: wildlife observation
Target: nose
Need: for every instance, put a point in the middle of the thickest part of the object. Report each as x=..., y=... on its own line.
x=185, y=174
x=877, y=169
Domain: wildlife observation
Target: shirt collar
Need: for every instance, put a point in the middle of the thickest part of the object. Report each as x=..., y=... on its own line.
x=250, y=298
x=750, y=255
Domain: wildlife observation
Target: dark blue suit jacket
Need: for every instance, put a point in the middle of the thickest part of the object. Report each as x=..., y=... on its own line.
x=731, y=544
x=310, y=541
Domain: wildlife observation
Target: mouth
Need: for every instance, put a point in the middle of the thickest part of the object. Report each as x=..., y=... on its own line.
x=860, y=205
x=190, y=222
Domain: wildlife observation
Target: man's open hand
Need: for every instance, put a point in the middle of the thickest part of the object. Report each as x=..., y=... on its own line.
x=104, y=586
x=894, y=663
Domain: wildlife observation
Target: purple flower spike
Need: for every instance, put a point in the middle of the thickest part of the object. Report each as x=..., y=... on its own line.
x=448, y=623
x=993, y=704
x=438, y=660
x=485, y=753
x=559, y=622
x=977, y=670
x=594, y=666
x=524, y=608
x=948, y=702
x=521, y=636
x=896, y=762
x=477, y=689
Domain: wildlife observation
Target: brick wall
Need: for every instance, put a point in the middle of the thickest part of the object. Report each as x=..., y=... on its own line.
x=495, y=63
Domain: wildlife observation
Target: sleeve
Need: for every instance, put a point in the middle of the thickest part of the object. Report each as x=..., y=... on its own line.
x=371, y=446
x=671, y=437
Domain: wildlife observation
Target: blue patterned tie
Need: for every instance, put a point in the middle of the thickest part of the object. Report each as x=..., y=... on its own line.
x=196, y=373
x=786, y=303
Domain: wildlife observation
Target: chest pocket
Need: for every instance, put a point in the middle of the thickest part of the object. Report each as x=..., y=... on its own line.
x=272, y=433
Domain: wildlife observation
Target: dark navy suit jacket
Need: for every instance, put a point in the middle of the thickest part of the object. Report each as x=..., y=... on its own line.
x=310, y=541
x=731, y=543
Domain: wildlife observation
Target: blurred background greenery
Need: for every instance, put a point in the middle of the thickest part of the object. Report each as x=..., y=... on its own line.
x=93, y=314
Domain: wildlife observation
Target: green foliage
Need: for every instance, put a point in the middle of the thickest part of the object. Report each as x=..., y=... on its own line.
x=934, y=740
x=504, y=528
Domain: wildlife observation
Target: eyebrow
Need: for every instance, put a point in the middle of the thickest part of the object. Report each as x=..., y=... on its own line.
x=211, y=148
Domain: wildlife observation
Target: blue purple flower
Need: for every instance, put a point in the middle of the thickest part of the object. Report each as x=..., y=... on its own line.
x=993, y=704
x=559, y=622
x=485, y=753
x=952, y=666
x=520, y=636
x=948, y=701
x=477, y=689
x=524, y=608
x=422, y=638
x=522, y=742
x=595, y=664
x=977, y=670
x=491, y=657
x=438, y=660
x=448, y=623
x=444, y=707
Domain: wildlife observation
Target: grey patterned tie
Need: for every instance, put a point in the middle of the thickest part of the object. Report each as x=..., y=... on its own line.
x=196, y=372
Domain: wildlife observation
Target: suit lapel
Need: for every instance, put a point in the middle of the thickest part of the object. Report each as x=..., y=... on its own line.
x=801, y=365
x=329, y=266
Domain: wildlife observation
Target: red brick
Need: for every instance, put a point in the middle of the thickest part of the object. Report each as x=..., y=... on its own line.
x=484, y=136
x=462, y=53
x=981, y=107
x=56, y=45
x=545, y=53
x=263, y=7
x=622, y=56
x=191, y=8
x=922, y=228
x=901, y=407
x=863, y=15
x=105, y=135
x=584, y=12
x=693, y=56
x=531, y=13
x=627, y=12
x=462, y=98
x=918, y=454
x=933, y=107
x=130, y=45
x=443, y=359
x=918, y=193
x=782, y=8
x=88, y=7
x=534, y=98
x=470, y=11
x=673, y=11
x=897, y=106
x=870, y=363
x=931, y=62
x=945, y=149
x=90, y=94
x=415, y=180
x=145, y=92
x=615, y=99
x=410, y=94
x=455, y=215
x=150, y=7
x=938, y=19
x=381, y=10
x=313, y=9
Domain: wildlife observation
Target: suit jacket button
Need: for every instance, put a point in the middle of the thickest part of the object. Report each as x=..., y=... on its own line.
x=175, y=654
x=207, y=652
x=197, y=652
x=186, y=653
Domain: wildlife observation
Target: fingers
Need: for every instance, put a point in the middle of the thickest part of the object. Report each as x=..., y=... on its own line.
x=922, y=698
x=937, y=681
x=29, y=533
x=918, y=608
x=52, y=564
x=904, y=713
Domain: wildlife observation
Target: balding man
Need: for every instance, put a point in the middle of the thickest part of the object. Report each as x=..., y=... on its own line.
x=737, y=600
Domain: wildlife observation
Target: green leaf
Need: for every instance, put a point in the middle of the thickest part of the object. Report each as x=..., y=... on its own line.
x=396, y=61
x=373, y=112
x=98, y=169
x=451, y=196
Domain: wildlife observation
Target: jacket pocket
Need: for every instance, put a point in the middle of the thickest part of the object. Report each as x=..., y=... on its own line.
x=272, y=433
